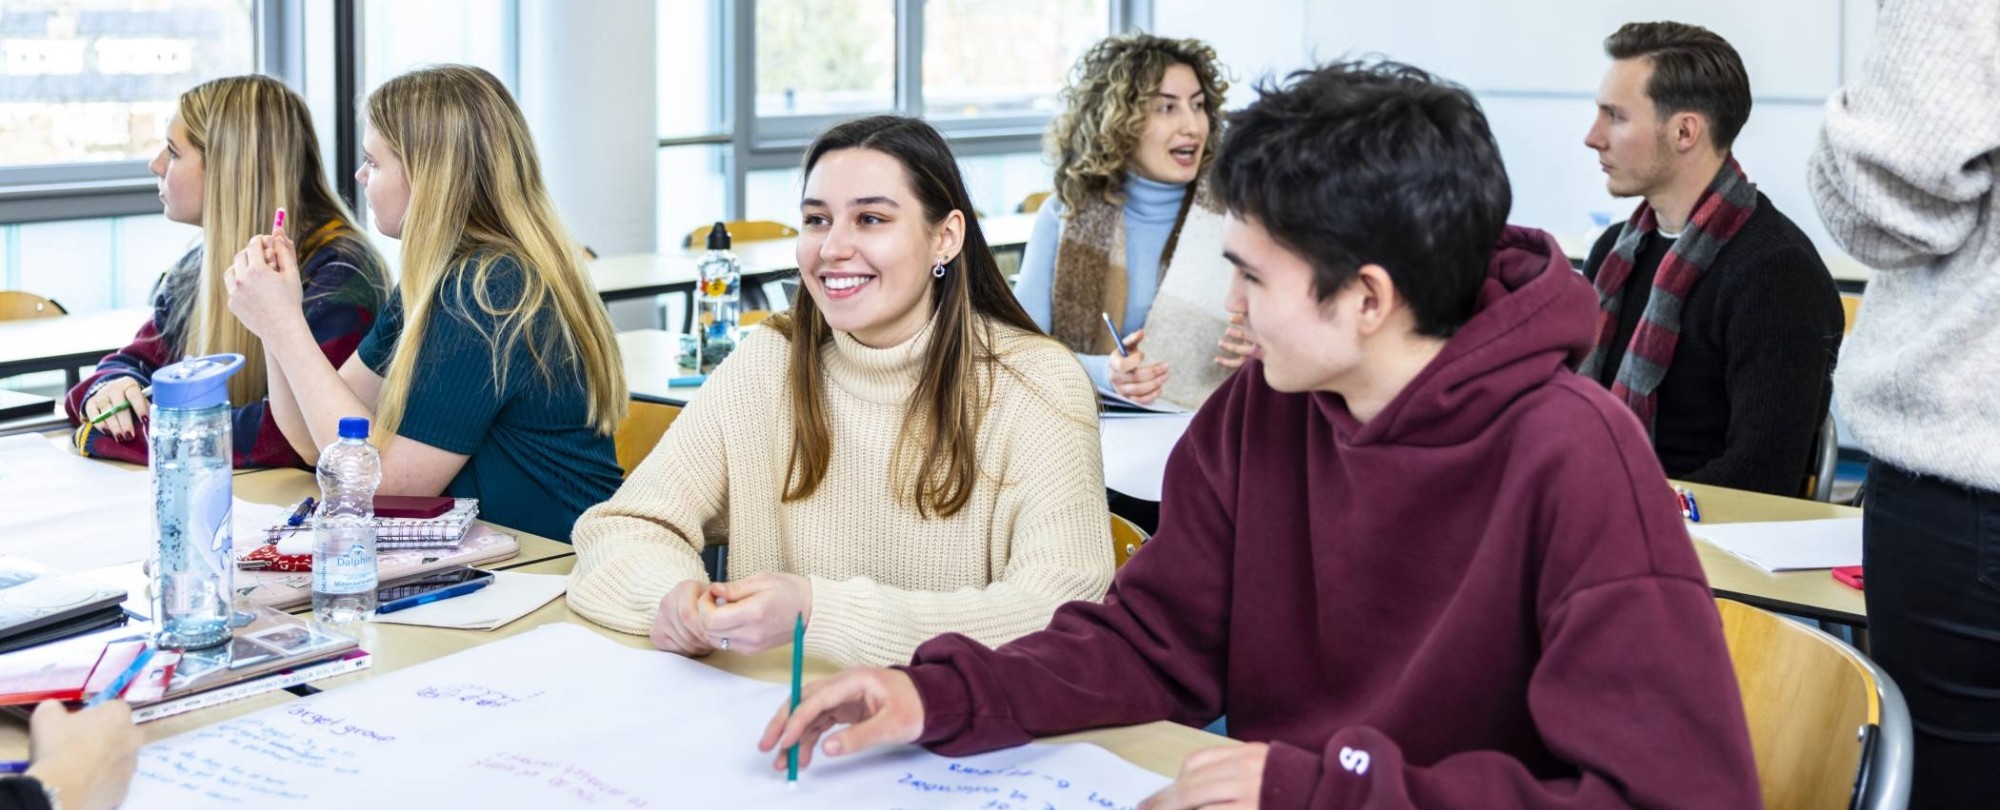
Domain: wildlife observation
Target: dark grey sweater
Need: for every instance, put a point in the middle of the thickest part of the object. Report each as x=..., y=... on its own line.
x=1752, y=372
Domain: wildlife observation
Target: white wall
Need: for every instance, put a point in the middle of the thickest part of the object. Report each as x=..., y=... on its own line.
x=1536, y=66
x=587, y=89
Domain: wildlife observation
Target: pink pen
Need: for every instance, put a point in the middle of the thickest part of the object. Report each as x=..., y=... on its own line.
x=278, y=224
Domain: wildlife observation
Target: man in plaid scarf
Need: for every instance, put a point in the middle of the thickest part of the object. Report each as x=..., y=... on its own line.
x=1717, y=321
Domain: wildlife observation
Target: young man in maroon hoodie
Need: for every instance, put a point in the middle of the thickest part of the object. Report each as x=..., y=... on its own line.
x=1416, y=560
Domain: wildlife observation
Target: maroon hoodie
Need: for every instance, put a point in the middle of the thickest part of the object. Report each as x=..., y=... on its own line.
x=1482, y=598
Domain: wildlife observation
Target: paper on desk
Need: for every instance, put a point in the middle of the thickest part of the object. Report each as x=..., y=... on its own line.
x=1136, y=449
x=1788, y=545
x=510, y=597
x=1112, y=399
x=560, y=717
x=73, y=514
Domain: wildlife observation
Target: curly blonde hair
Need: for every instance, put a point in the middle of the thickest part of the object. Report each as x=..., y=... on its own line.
x=1106, y=105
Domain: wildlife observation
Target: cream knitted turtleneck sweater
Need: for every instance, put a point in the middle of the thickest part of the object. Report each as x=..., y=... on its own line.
x=1034, y=535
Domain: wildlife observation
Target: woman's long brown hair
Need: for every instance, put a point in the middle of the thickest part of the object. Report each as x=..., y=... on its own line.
x=949, y=401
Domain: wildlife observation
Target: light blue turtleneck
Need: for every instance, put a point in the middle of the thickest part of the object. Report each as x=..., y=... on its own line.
x=1150, y=210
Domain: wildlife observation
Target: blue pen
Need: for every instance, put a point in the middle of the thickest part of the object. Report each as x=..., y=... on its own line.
x=299, y=513
x=13, y=766
x=428, y=597
x=1694, y=509
x=1116, y=339
x=124, y=679
x=696, y=379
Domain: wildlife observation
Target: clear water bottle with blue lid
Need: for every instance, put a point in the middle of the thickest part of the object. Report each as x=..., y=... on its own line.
x=344, y=574
x=190, y=454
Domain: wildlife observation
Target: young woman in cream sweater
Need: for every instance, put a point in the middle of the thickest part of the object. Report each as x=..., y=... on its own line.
x=903, y=454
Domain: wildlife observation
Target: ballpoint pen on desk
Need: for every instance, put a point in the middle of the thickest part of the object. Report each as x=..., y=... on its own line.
x=692, y=379
x=117, y=687
x=798, y=671
x=301, y=512
x=119, y=408
x=1689, y=509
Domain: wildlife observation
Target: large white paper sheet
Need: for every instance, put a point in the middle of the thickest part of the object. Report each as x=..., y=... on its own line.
x=73, y=514
x=561, y=717
x=1136, y=449
x=1789, y=545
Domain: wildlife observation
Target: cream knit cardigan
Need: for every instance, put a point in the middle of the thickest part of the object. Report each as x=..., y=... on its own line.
x=1034, y=535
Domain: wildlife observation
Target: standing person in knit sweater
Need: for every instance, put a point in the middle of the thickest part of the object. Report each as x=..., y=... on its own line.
x=902, y=454
x=1142, y=120
x=1904, y=177
x=1417, y=560
x=521, y=381
x=238, y=149
x=1717, y=321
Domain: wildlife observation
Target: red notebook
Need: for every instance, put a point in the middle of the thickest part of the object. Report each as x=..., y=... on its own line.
x=74, y=671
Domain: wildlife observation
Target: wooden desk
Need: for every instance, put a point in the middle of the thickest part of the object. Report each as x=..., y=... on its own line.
x=67, y=343
x=651, y=358
x=1804, y=593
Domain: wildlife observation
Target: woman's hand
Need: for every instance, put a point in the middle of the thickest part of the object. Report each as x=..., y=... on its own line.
x=758, y=613
x=677, y=625
x=124, y=424
x=87, y=756
x=1236, y=344
x=1131, y=377
x=264, y=288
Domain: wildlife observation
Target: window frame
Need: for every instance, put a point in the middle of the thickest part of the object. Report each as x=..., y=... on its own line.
x=65, y=191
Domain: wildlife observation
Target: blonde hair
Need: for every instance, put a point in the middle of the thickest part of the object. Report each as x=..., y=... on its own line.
x=1106, y=107
x=259, y=154
x=953, y=393
x=477, y=198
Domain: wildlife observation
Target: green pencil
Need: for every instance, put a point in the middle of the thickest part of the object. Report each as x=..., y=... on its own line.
x=121, y=407
x=798, y=672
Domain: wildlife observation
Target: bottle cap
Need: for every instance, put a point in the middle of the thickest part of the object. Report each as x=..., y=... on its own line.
x=197, y=382
x=353, y=427
x=718, y=237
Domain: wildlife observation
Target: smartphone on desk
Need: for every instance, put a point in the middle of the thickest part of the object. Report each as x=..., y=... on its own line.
x=423, y=589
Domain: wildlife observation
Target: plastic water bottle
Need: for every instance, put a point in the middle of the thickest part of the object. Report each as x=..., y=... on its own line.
x=189, y=453
x=344, y=527
x=716, y=301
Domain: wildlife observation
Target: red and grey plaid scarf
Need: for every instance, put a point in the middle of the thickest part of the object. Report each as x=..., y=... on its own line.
x=1720, y=212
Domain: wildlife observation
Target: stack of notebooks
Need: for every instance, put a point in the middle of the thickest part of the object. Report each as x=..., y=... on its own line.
x=38, y=605
x=275, y=651
x=286, y=590
x=443, y=531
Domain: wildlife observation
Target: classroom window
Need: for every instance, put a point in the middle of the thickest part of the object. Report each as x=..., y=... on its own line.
x=693, y=190
x=773, y=194
x=998, y=183
x=984, y=59
x=689, y=64
x=94, y=81
x=825, y=57
x=88, y=265
x=403, y=35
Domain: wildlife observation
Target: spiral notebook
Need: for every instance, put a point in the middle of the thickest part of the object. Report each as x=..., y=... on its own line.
x=442, y=531
x=286, y=590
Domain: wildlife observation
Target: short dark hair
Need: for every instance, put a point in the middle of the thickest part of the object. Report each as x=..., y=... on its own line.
x=1357, y=163
x=1694, y=70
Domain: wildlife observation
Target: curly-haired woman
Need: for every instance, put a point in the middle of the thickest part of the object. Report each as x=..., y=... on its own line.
x=1139, y=129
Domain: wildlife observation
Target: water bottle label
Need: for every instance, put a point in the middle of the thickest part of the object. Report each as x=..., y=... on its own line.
x=351, y=571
